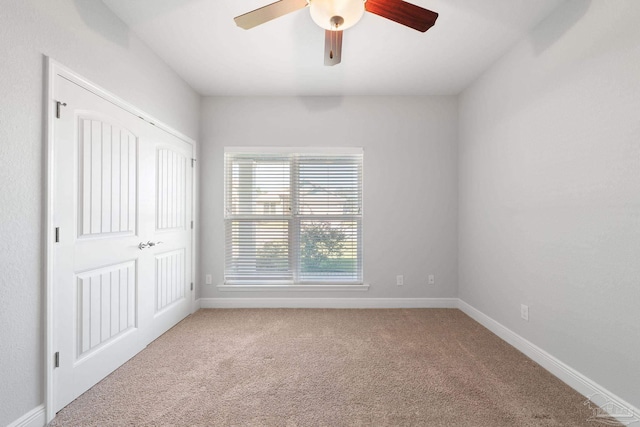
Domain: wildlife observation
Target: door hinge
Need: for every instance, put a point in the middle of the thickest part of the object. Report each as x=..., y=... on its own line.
x=192, y=224
x=58, y=105
x=56, y=360
x=191, y=285
x=57, y=234
x=193, y=162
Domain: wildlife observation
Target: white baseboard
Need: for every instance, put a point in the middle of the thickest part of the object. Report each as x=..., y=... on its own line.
x=328, y=302
x=626, y=413
x=34, y=418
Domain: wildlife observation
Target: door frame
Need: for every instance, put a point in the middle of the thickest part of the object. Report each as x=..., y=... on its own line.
x=53, y=69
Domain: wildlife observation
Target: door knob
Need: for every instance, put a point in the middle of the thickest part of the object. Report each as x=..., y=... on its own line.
x=149, y=244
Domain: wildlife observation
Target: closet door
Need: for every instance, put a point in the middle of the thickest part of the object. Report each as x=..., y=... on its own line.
x=122, y=263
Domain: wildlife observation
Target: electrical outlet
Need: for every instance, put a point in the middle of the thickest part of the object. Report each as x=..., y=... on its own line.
x=524, y=312
x=432, y=279
x=208, y=280
x=399, y=280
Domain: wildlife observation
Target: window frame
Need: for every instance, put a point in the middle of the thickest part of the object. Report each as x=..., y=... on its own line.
x=295, y=220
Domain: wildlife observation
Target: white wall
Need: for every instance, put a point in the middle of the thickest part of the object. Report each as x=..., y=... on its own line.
x=550, y=191
x=85, y=36
x=410, y=181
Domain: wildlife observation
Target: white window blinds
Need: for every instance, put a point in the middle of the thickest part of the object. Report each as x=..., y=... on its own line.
x=293, y=217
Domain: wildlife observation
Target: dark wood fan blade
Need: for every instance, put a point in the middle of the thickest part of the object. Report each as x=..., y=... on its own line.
x=403, y=13
x=332, y=47
x=269, y=12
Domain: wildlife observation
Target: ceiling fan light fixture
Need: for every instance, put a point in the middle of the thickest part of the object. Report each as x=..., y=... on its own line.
x=336, y=14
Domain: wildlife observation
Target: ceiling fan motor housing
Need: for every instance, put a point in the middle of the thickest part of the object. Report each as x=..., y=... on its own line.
x=336, y=14
x=337, y=22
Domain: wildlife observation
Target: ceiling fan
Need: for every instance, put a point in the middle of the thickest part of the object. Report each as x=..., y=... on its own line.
x=338, y=15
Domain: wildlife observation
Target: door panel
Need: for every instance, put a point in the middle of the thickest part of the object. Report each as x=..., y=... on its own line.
x=171, y=182
x=170, y=275
x=119, y=182
x=108, y=160
x=106, y=305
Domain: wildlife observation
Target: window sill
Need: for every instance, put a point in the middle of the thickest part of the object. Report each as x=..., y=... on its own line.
x=282, y=287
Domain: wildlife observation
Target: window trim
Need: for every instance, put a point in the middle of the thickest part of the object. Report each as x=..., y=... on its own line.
x=296, y=150
x=291, y=287
x=296, y=284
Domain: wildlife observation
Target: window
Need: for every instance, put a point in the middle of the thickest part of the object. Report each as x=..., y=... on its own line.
x=293, y=217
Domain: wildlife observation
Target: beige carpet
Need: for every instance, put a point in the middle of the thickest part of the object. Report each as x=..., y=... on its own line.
x=301, y=367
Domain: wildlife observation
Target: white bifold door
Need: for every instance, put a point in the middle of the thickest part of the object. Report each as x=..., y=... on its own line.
x=122, y=205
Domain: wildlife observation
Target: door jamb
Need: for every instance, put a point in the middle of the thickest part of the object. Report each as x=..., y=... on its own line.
x=53, y=69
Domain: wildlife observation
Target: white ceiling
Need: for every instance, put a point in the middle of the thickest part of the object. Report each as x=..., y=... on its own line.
x=200, y=41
